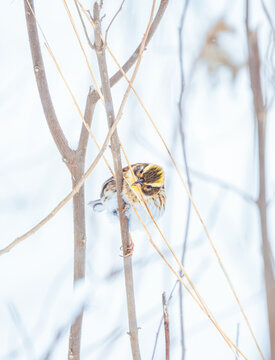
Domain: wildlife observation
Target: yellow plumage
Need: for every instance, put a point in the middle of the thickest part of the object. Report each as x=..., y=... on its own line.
x=149, y=180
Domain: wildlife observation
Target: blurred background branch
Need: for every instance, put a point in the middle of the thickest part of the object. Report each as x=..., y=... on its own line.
x=254, y=64
x=186, y=167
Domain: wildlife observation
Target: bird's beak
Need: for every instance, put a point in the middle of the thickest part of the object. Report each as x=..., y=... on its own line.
x=139, y=181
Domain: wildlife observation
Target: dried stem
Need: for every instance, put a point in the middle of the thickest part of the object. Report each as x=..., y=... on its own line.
x=166, y=327
x=254, y=64
x=198, y=297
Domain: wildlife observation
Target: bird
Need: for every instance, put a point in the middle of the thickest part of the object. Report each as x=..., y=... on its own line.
x=149, y=179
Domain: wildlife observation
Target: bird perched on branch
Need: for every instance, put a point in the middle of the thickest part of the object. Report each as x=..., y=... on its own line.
x=147, y=182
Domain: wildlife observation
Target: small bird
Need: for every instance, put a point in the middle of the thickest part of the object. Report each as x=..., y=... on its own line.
x=150, y=178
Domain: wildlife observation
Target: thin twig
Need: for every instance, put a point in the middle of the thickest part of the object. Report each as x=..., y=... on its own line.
x=133, y=58
x=166, y=327
x=161, y=320
x=267, y=14
x=183, y=144
x=84, y=26
x=116, y=14
x=26, y=339
x=83, y=50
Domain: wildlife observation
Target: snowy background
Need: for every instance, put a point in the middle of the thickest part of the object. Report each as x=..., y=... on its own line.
x=36, y=298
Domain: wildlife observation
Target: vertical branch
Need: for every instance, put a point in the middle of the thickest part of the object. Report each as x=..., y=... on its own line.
x=166, y=327
x=254, y=64
x=115, y=148
x=183, y=144
x=79, y=253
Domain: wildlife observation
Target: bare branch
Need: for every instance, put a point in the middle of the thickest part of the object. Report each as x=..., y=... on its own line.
x=42, y=84
x=115, y=148
x=161, y=320
x=84, y=26
x=133, y=58
x=67, y=198
x=183, y=144
x=254, y=64
x=267, y=14
x=116, y=14
x=166, y=327
x=88, y=115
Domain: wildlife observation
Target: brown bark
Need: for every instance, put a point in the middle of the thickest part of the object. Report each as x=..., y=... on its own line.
x=42, y=85
x=166, y=327
x=254, y=63
x=115, y=148
x=73, y=159
x=79, y=253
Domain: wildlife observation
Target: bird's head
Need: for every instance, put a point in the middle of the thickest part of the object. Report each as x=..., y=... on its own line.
x=150, y=177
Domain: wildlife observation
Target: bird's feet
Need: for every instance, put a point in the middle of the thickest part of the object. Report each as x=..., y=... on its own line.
x=130, y=248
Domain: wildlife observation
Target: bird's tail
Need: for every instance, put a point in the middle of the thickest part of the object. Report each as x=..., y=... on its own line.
x=97, y=205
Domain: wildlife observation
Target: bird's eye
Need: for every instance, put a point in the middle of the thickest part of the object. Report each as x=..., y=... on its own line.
x=149, y=187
